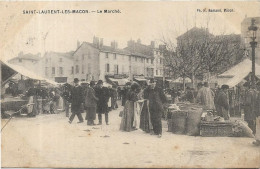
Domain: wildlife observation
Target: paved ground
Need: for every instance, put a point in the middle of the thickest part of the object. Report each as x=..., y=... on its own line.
x=50, y=141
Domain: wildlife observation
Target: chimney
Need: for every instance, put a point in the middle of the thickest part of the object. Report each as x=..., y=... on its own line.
x=20, y=54
x=39, y=54
x=114, y=45
x=96, y=41
x=152, y=44
x=78, y=44
x=101, y=43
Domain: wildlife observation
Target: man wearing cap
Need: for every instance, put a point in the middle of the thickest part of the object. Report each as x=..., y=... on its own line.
x=77, y=100
x=223, y=102
x=156, y=99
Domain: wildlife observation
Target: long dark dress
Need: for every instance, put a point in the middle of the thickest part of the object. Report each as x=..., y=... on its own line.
x=156, y=99
x=128, y=112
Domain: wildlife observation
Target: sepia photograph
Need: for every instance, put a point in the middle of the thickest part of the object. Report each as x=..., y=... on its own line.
x=130, y=84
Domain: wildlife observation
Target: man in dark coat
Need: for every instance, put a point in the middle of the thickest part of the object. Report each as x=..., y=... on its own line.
x=102, y=93
x=90, y=103
x=250, y=107
x=77, y=100
x=66, y=97
x=156, y=99
x=223, y=102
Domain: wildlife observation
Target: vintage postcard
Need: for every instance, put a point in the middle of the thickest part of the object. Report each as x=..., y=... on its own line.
x=116, y=84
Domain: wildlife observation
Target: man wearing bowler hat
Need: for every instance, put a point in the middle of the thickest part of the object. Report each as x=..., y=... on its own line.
x=102, y=94
x=77, y=100
x=156, y=99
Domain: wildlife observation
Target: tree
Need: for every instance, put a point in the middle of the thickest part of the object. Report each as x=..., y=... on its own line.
x=197, y=52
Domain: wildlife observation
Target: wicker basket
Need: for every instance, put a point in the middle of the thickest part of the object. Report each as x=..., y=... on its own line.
x=216, y=129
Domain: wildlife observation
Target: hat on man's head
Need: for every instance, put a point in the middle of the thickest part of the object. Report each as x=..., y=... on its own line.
x=224, y=87
x=92, y=83
x=151, y=81
x=128, y=84
x=100, y=82
x=76, y=80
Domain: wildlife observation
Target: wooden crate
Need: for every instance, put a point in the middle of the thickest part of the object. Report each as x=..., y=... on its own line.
x=216, y=129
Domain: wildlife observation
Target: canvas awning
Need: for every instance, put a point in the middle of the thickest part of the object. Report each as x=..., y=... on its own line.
x=120, y=82
x=23, y=71
x=180, y=80
x=237, y=73
x=140, y=79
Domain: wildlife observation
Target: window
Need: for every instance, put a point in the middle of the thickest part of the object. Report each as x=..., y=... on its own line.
x=116, y=69
x=89, y=68
x=152, y=61
x=142, y=60
x=156, y=72
x=130, y=69
x=60, y=59
x=77, y=58
x=129, y=58
x=72, y=70
x=89, y=55
x=83, y=69
x=46, y=60
x=77, y=69
x=123, y=69
x=107, y=67
x=114, y=56
x=135, y=58
x=46, y=71
x=53, y=70
x=106, y=55
x=61, y=70
x=156, y=52
x=147, y=60
x=83, y=57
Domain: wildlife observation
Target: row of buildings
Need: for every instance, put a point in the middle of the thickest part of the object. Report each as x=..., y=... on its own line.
x=94, y=61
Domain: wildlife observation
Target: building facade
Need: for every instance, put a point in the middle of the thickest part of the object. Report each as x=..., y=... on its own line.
x=57, y=66
x=28, y=61
x=96, y=61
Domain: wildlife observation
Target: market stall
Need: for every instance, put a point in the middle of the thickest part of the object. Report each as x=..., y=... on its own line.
x=21, y=82
x=235, y=77
x=190, y=119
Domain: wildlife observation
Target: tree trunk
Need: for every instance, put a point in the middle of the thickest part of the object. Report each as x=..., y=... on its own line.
x=193, y=80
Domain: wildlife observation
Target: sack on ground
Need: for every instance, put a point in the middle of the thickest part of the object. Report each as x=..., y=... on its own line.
x=241, y=129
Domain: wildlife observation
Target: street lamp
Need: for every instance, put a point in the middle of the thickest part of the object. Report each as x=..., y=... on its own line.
x=253, y=28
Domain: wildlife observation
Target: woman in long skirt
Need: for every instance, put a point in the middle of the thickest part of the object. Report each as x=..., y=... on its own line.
x=128, y=112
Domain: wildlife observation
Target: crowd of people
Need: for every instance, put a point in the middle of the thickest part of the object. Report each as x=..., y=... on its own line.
x=97, y=99
x=94, y=98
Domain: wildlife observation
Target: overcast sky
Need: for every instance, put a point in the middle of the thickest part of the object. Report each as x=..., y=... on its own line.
x=145, y=20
